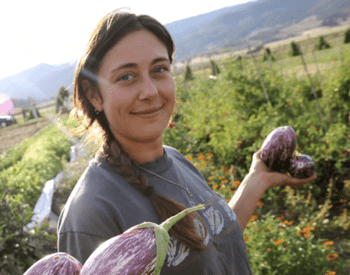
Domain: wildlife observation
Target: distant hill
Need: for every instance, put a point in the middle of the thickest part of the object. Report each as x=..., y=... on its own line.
x=230, y=27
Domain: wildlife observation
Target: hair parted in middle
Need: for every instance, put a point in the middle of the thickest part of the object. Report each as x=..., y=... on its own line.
x=109, y=31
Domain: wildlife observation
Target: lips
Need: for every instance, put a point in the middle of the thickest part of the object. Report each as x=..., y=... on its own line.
x=147, y=111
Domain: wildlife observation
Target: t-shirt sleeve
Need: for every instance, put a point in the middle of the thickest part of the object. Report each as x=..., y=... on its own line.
x=79, y=245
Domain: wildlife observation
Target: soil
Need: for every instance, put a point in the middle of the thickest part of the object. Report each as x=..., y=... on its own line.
x=15, y=134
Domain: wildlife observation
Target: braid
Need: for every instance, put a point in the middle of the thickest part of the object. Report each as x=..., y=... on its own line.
x=184, y=230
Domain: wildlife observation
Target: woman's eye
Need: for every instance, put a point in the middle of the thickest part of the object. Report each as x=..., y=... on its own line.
x=125, y=77
x=160, y=69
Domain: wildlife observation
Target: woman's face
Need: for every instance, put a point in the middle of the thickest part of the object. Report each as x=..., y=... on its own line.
x=137, y=88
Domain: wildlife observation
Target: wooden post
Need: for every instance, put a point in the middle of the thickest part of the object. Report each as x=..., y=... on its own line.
x=260, y=77
x=313, y=90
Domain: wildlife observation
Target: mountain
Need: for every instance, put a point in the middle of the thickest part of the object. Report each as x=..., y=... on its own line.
x=230, y=27
x=269, y=20
x=41, y=81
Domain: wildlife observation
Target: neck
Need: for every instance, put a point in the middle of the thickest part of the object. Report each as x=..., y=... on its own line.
x=142, y=152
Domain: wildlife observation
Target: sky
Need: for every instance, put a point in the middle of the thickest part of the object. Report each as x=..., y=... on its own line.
x=56, y=32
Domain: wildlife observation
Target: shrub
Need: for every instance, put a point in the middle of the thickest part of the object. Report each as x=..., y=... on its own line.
x=188, y=73
x=214, y=68
x=268, y=55
x=322, y=44
x=295, y=50
x=347, y=37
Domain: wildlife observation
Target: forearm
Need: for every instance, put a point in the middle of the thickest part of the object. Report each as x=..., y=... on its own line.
x=246, y=198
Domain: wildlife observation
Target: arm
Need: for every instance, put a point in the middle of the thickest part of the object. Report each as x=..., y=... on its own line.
x=254, y=185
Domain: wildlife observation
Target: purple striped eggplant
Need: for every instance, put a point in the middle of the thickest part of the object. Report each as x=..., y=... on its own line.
x=302, y=166
x=139, y=250
x=278, y=148
x=58, y=263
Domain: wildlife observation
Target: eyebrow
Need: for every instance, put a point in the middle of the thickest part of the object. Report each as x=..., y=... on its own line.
x=134, y=65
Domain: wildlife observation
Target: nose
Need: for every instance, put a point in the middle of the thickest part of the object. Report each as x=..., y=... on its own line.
x=148, y=89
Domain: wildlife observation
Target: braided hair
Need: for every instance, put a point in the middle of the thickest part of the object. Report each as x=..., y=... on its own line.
x=109, y=31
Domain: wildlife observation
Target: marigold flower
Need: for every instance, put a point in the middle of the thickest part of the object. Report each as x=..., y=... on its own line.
x=280, y=218
x=332, y=256
x=221, y=177
x=330, y=273
x=215, y=186
x=269, y=249
x=287, y=222
x=260, y=204
x=222, y=187
x=209, y=155
x=224, y=182
x=236, y=183
x=215, y=171
x=254, y=217
x=280, y=241
x=211, y=178
x=246, y=238
x=228, y=200
x=306, y=232
x=189, y=158
x=188, y=149
x=328, y=243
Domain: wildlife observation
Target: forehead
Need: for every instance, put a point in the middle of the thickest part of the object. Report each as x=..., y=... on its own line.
x=136, y=47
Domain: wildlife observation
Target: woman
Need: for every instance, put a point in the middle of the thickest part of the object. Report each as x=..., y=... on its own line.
x=123, y=82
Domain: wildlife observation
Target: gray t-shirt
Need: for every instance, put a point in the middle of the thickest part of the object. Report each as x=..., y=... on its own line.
x=103, y=205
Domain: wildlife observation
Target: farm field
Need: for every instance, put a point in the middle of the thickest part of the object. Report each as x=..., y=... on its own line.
x=220, y=122
x=15, y=134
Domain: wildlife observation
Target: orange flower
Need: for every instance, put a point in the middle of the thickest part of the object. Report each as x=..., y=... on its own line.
x=332, y=256
x=253, y=217
x=246, y=238
x=209, y=155
x=306, y=232
x=328, y=243
x=260, y=204
x=236, y=183
x=280, y=218
x=215, y=186
x=330, y=273
x=188, y=149
x=211, y=178
x=280, y=241
x=189, y=158
x=228, y=200
x=224, y=182
x=215, y=171
x=287, y=222
x=269, y=249
x=221, y=177
x=222, y=187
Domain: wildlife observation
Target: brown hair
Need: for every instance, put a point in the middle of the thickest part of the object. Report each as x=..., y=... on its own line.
x=109, y=31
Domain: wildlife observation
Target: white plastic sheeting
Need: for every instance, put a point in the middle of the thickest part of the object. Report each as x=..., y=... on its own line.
x=42, y=208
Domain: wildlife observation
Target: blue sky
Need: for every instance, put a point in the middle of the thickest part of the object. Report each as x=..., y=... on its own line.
x=56, y=32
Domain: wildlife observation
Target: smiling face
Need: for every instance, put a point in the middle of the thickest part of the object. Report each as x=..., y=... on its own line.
x=137, y=88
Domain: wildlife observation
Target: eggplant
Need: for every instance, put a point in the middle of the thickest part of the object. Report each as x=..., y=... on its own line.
x=302, y=166
x=139, y=250
x=58, y=263
x=278, y=148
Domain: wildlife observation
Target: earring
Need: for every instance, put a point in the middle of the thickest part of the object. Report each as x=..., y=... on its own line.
x=97, y=112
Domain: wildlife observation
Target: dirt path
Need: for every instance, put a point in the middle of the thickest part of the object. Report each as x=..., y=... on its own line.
x=13, y=135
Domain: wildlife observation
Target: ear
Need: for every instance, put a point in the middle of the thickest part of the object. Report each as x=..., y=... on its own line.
x=93, y=96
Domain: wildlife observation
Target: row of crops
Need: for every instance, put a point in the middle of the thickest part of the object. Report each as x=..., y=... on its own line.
x=222, y=121
x=24, y=170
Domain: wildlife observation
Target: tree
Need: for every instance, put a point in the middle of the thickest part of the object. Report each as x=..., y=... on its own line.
x=188, y=73
x=322, y=44
x=268, y=55
x=60, y=98
x=347, y=37
x=214, y=68
x=295, y=50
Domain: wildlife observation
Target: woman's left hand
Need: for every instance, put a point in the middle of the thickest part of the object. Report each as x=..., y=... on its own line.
x=273, y=179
